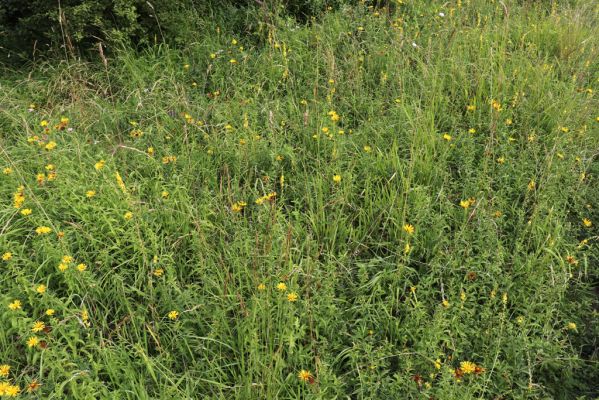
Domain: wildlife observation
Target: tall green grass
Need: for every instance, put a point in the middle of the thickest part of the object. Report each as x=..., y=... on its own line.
x=478, y=127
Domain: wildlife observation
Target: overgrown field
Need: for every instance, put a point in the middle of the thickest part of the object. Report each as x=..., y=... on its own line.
x=379, y=203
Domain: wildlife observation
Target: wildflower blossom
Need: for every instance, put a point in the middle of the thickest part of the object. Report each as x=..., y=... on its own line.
x=19, y=197
x=158, y=272
x=33, y=341
x=532, y=185
x=15, y=305
x=496, y=105
x=305, y=376
x=6, y=256
x=292, y=297
x=409, y=229
x=41, y=289
x=38, y=326
x=169, y=159
x=120, y=182
x=571, y=260
x=281, y=287
x=12, y=390
x=587, y=223
x=173, y=315
x=43, y=230
x=238, y=206
x=467, y=367
x=33, y=386
x=4, y=370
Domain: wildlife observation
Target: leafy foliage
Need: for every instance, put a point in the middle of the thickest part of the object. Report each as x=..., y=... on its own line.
x=383, y=203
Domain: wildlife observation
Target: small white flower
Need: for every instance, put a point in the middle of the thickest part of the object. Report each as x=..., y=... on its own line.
x=414, y=44
x=441, y=14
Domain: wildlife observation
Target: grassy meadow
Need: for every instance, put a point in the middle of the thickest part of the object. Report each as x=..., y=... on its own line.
x=381, y=202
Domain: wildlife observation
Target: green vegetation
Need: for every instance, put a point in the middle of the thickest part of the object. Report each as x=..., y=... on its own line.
x=372, y=202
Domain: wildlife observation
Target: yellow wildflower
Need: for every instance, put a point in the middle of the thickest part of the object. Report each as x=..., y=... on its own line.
x=38, y=326
x=467, y=367
x=43, y=230
x=173, y=315
x=305, y=376
x=496, y=105
x=12, y=390
x=571, y=326
x=33, y=341
x=15, y=305
x=409, y=229
x=238, y=206
x=281, y=287
x=158, y=272
x=6, y=256
x=292, y=297
x=120, y=182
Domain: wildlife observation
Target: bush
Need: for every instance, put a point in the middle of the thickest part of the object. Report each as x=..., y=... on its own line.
x=75, y=26
x=35, y=27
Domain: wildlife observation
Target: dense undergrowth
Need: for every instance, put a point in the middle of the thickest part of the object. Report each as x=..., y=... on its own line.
x=377, y=204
